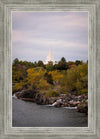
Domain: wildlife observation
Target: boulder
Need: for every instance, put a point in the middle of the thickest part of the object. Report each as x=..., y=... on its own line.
x=82, y=107
x=25, y=94
x=52, y=100
x=58, y=104
x=32, y=95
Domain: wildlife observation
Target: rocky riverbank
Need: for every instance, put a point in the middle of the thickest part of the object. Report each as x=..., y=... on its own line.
x=63, y=100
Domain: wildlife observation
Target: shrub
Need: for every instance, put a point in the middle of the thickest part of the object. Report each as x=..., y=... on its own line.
x=51, y=93
x=63, y=90
x=84, y=91
x=18, y=87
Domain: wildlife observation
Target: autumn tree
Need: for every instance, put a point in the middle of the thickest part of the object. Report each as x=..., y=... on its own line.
x=48, y=77
x=76, y=79
x=34, y=75
x=70, y=64
x=36, y=78
x=56, y=75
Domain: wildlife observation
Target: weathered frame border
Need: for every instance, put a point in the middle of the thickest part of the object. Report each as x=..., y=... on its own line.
x=6, y=129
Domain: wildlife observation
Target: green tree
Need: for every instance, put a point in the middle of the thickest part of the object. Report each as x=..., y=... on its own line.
x=15, y=61
x=40, y=63
x=35, y=64
x=78, y=62
x=63, y=59
x=49, y=66
x=62, y=64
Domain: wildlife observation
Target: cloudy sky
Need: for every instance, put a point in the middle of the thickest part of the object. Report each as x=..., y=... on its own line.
x=34, y=32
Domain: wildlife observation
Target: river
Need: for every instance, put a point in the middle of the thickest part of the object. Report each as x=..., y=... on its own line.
x=29, y=114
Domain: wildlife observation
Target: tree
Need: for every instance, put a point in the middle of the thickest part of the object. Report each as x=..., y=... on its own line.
x=55, y=67
x=15, y=61
x=56, y=75
x=62, y=64
x=49, y=66
x=35, y=75
x=35, y=64
x=48, y=77
x=63, y=59
x=43, y=84
x=40, y=63
x=76, y=79
x=78, y=62
x=70, y=64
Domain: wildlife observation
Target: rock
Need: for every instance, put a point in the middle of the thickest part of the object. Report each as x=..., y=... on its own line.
x=62, y=95
x=27, y=99
x=52, y=100
x=58, y=104
x=25, y=94
x=32, y=95
x=82, y=107
x=75, y=103
x=63, y=100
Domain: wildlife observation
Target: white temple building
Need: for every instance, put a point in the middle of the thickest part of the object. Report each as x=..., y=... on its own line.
x=50, y=57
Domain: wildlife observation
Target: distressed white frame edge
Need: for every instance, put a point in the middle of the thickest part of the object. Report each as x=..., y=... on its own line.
x=8, y=106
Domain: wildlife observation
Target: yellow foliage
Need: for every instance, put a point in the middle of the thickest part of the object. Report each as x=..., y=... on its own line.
x=81, y=74
x=76, y=78
x=51, y=93
x=18, y=86
x=35, y=75
x=56, y=75
x=42, y=84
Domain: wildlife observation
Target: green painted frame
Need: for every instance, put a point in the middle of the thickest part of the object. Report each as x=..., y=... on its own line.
x=6, y=129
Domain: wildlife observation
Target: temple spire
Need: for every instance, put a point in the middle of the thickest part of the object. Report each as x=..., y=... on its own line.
x=50, y=56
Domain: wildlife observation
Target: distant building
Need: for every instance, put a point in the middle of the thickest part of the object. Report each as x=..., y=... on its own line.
x=50, y=57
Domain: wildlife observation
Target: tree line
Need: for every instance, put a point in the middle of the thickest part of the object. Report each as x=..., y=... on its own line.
x=51, y=80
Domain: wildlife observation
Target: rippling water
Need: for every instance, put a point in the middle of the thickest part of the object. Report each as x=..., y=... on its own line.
x=29, y=114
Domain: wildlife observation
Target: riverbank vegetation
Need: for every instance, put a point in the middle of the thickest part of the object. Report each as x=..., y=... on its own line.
x=51, y=80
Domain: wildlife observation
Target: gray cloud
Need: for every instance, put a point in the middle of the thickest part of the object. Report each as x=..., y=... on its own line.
x=66, y=32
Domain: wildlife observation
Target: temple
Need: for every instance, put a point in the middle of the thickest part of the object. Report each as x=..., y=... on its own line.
x=50, y=57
